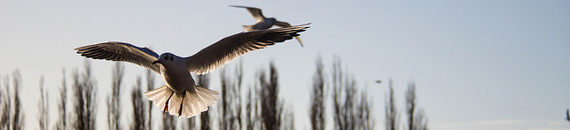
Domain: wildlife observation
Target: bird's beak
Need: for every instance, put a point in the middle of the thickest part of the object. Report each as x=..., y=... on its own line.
x=156, y=61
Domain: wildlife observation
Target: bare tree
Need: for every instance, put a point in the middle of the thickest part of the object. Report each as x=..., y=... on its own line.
x=90, y=97
x=190, y=125
x=149, y=86
x=18, y=115
x=416, y=121
x=231, y=107
x=84, y=93
x=224, y=110
x=237, y=105
x=317, y=110
x=271, y=106
x=349, y=108
x=337, y=83
x=43, y=106
x=79, y=104
x=137, y=101
x=288, y=120
x=114, y=100
x=364, y=112
x=252, y=114
x=352, y=110
x=5, y=121
x=5, y=114
x=411, y=105
x=168, y=121
x=62, y=105
x=392, y=118
x=12, y=117
x=421, y=120
x=343, y=98
x=203, y=81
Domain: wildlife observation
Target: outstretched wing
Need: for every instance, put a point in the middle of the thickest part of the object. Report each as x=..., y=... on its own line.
x=119, y=51
x=255, y=12
x=229, y=48
x=284, y=25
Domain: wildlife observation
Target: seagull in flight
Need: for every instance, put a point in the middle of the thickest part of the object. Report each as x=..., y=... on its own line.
x=181, y=96
x=263, y=22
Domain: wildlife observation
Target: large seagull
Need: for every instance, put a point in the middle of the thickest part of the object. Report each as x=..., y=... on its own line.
x=263, y=22
x=181, y=96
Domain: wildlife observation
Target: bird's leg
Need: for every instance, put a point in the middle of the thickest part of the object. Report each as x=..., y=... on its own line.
x=181, y=104
x=167, y=100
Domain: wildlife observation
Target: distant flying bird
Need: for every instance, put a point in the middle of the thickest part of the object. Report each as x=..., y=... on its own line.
x=263, y=22
x=181, y=96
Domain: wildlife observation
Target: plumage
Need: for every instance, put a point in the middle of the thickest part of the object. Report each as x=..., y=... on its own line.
x=181, y=96
x=255, y=12
x=118, y=51
x=229, y=48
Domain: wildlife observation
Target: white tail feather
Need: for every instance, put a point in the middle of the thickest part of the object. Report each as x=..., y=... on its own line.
x=159, y=96
x=186, y=104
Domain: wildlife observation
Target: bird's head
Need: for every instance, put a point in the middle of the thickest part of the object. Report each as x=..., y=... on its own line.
x=164, y=58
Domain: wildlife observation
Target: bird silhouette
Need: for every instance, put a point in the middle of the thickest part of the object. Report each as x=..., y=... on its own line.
x=181, y=96
x=263, y=22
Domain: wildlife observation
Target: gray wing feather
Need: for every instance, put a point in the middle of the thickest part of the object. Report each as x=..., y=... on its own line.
x=229, y=48
x=255, y=12
x=119, y=51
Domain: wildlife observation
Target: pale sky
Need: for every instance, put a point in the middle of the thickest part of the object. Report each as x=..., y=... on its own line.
x=485, y=64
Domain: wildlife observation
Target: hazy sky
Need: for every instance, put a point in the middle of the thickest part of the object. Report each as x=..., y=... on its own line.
x=485, y=64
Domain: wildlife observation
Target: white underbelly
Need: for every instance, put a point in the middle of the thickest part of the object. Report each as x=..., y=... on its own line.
x=178, y=81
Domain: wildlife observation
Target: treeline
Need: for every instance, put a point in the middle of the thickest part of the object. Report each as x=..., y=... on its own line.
x=240, y=107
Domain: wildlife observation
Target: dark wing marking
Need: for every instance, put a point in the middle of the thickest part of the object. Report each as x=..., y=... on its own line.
x=118, y=51
x=284, y=25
